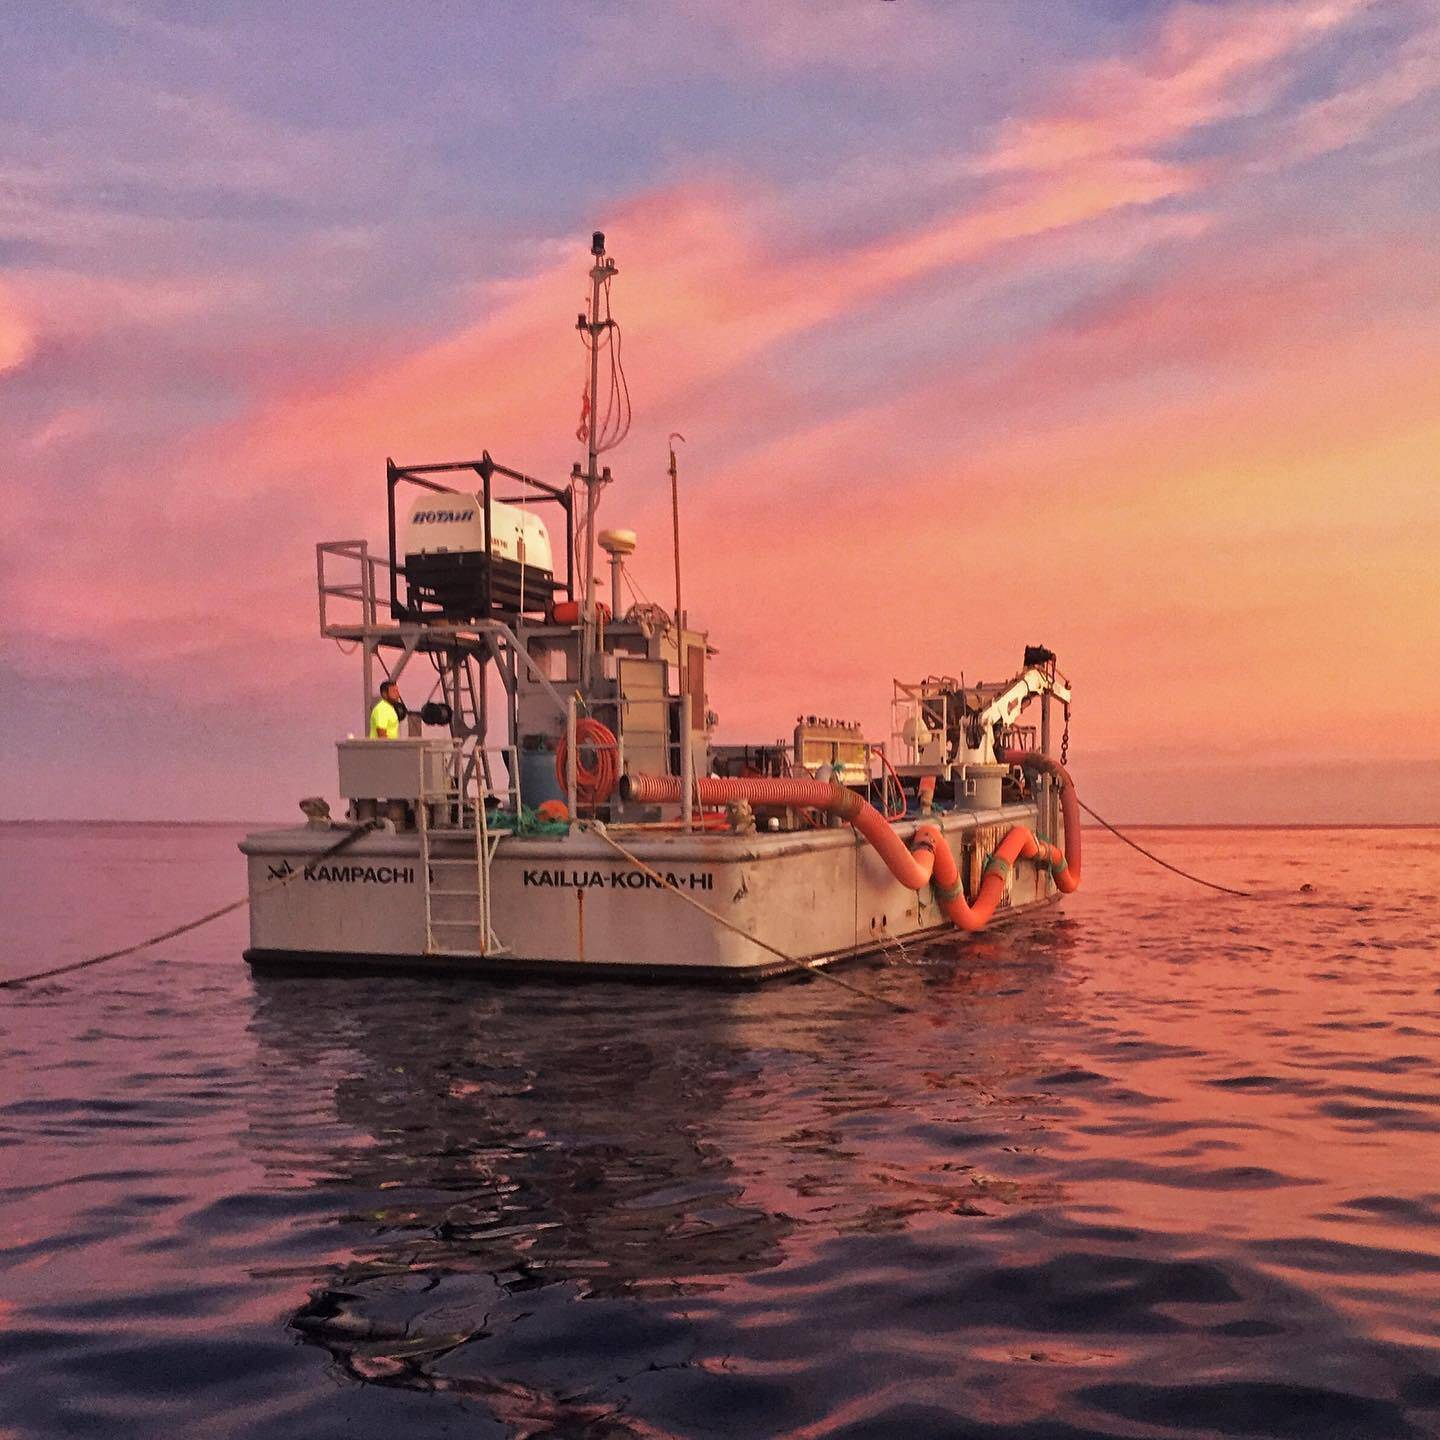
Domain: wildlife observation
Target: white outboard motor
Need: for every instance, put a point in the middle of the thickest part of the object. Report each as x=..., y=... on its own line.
x=448, y=566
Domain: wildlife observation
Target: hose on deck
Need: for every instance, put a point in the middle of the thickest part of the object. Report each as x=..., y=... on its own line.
x=594, y=784
x=928, y=860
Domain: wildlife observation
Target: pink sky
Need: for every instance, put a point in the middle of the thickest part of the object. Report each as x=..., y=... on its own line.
x=1116, y=330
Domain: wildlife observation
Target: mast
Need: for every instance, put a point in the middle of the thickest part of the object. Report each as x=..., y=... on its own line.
x=594, y=327
x=675, y=517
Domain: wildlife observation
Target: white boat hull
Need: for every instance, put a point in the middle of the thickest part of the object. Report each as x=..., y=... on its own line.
x=571, y=903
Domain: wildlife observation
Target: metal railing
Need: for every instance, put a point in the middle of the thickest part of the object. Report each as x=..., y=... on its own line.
x=359, y=585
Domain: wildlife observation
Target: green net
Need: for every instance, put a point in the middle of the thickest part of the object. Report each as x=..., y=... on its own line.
x=526, y=823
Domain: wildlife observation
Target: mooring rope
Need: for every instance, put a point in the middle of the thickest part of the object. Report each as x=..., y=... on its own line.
x=806, y=967
x=803, y=966
x=1185, y=874
x=17, y=980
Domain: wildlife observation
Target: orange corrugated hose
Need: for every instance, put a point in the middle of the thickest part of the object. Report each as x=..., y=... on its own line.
x=1065, y=868
x=930, y=860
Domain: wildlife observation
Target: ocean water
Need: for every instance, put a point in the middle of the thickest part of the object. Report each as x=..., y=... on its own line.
x=1163, y=1163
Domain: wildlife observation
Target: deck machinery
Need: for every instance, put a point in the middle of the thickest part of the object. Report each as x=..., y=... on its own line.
x=531, y=814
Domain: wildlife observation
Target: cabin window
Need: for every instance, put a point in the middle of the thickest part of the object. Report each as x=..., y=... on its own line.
x=552, y=660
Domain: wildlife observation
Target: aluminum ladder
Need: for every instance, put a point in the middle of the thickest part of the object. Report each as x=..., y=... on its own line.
x=460, y=883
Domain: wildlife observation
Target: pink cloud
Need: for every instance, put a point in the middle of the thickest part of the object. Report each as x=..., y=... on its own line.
x=225, y=520
x=1249, y=534
x=17, y=337
x=1019, y=210
x=69, y=304
x=205, y=547
x=1353, y=113
x=1205, y=63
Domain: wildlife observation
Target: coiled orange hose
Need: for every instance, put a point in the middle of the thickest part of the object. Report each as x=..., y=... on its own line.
x=592, y=785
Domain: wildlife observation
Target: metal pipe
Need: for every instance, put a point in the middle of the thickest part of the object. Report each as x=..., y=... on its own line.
x=619, y=741
x=569, y=549
x=687, y=764
x=391, y=477
x=482, y=866
x=368, y=682
x=675, y=521
x=1047, y=789
x=480, y=697
x=597, y=276
x=487, y=570
x=570, y=756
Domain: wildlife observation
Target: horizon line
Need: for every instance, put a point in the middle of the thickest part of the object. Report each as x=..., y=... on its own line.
x=1085, y=825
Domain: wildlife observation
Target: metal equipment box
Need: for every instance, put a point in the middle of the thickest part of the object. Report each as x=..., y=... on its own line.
x=391, y=769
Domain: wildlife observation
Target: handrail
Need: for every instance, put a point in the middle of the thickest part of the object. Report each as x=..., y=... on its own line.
x=363, y=590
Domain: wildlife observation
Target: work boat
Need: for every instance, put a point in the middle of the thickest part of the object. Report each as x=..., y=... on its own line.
x=596, y=827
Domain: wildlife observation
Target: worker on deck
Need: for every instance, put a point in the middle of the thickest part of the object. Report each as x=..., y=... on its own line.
x=385, y=717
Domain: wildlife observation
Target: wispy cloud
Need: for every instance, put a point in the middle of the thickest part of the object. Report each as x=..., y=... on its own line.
x=132, y=19
x=1205, y=63
x=1356, y=111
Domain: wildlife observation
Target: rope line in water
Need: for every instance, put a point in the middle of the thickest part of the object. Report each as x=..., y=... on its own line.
x=808, y=967
x=17, y=980
x=1185, y=874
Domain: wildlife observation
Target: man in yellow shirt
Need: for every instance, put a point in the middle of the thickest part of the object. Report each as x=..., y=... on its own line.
x=385, y=717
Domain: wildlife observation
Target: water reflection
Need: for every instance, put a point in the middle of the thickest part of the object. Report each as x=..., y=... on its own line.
x=498, y=1154
x=494, y=1143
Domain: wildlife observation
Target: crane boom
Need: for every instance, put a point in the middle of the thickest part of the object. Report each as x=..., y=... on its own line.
x=989, y=712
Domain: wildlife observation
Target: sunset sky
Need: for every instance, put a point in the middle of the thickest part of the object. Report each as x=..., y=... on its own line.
x=1112, y=325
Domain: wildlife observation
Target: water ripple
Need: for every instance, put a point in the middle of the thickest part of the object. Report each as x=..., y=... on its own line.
x=1119, y=1173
